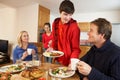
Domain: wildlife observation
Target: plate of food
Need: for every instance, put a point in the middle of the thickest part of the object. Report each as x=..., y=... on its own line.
x=61, y=72
x=27, y=63
x=14, y=68
x=32, y=73
x=5, y=76
x=53, y=54
x=18, y=77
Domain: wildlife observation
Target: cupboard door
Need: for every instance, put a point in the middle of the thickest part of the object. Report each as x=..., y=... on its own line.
x=44, y=16
x=84, y=26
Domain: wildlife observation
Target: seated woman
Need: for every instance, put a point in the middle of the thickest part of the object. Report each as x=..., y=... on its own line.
x=20, y=51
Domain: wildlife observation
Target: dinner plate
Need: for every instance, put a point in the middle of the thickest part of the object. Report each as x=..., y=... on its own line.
x=31, y=63
x=53, y=54
x=14, y=68
x=5, y=76
x=18, y=77
x=61, y=72
x=1, y=56
x=27, y=63
x=33, y=73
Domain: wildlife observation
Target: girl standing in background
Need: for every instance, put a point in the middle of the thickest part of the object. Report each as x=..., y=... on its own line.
x=47, y=39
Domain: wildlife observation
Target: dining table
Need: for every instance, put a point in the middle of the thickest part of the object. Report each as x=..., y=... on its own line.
x=47, y=66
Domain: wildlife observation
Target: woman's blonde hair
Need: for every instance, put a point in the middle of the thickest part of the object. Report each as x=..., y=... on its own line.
x=19, y=38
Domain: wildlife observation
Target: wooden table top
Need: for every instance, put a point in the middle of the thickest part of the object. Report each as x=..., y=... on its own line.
x=47, y=66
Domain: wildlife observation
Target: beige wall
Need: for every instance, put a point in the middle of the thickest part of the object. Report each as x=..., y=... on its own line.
x=112, y=16
x=13, y=20
x=28, y=20
x=8, y=25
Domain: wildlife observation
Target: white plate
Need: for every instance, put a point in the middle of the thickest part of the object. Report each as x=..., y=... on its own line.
x=62, y=74
x=10, y=69
x=31, y=63
x=27, y=63
x=1, y=56
x=47, y=54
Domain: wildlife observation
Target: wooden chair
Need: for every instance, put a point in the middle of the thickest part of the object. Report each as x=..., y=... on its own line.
x=84, y=50
x=39, y=47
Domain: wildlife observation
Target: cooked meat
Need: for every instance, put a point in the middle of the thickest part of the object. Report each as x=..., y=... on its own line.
x=5, y=76
x=32, y=73
x=25, y=73
x=55, y=54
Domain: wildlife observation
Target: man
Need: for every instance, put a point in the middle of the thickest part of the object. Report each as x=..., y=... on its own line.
x=66, y=34
x=102, y=61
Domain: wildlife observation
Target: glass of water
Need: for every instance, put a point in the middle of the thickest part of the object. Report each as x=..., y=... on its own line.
x=36, y=60
x=18, y=61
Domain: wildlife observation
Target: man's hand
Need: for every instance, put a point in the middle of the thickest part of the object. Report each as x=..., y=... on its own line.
x=84, y=68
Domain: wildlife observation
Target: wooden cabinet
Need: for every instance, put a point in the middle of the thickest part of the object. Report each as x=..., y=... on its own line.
x=84, y=50
x=84, y=26
x=44, y=16
x=39, y=48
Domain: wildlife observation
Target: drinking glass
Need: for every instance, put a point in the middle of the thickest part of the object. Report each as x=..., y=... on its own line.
x=36, y=60
x=18, y=61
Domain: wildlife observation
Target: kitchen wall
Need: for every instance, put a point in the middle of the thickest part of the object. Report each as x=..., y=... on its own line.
x=115, y=33
x=28, y=20
x=13, y=20
x=112, y=16
x=7, y=23
x=8, y=20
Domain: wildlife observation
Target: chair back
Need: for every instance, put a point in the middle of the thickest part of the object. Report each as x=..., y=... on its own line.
x=39, y=46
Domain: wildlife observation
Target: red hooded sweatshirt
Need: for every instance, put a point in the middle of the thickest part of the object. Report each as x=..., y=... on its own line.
x=66, y=38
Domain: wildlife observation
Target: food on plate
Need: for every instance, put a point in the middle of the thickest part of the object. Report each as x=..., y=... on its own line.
x=42, y=79
x=27, y=63
x=18, y=77
x=47, y=53
x=32, y=73
x=53, y=54
x=5, y=76
x=14, y=68
x=62, y=71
